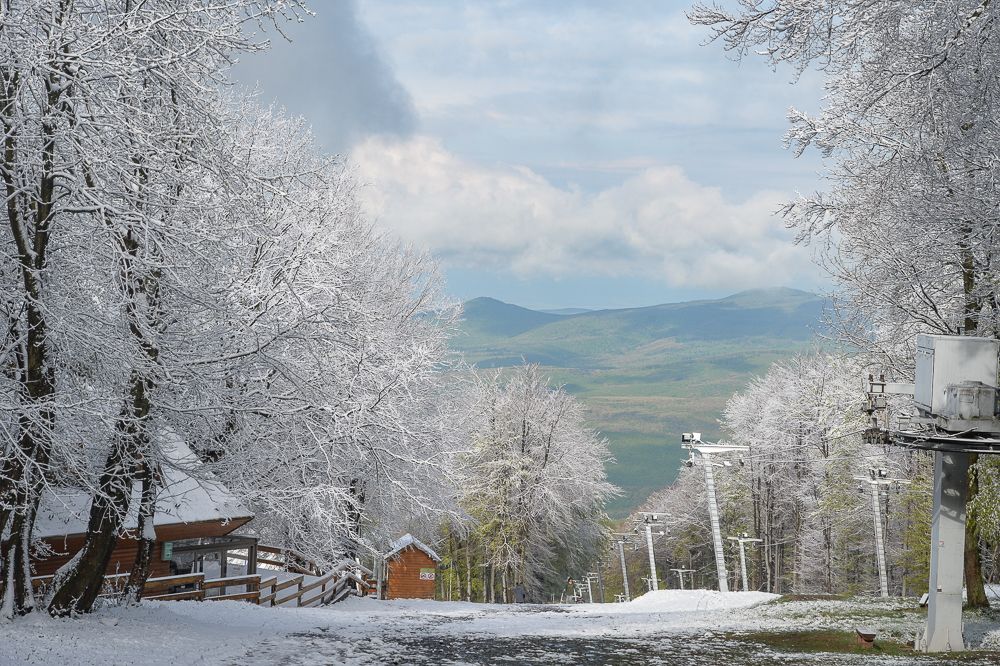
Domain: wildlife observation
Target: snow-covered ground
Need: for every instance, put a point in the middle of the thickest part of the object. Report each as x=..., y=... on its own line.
x=684, y=627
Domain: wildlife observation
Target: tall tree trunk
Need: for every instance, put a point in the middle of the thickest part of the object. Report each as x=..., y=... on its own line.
x=24, y=469
x=22, y=495
x=18, y=597
x=457, y=570
x=146, y=534
x=468, y=570
x=79, y=582
x=975, y=587
x=23, y=475
x=485, y=582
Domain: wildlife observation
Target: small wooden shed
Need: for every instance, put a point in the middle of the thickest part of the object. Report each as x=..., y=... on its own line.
x=411, y=570
x=194, y=512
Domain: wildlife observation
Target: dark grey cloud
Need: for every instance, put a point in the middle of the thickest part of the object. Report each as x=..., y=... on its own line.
x=332, y=73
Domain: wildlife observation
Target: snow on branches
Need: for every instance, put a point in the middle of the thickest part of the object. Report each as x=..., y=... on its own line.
x=795, y=489
x=534, y=483
x=175, y=262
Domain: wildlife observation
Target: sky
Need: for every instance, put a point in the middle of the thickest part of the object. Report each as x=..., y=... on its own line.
x=555, y=154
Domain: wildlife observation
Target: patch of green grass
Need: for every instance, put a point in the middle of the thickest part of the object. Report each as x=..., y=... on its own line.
x=984, y=614
x=841, y=642
x=845, y=642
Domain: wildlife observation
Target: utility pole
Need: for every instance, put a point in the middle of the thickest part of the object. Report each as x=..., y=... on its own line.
x=648, y=520
x=680, y=575
x=692, y=441
x=744, y=539
x=877, y=478
x=621, y=541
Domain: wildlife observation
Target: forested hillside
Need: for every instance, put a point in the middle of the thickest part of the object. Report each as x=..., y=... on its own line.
x=647, y=374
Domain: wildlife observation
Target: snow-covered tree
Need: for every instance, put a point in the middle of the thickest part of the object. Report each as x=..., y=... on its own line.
x=350, y=427
x=534, y=483
x=795, y=487
x=178, y=264
x=76, y=83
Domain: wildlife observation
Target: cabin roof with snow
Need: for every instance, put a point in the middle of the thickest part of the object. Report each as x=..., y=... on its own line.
x=406, y=541
x=189, y=494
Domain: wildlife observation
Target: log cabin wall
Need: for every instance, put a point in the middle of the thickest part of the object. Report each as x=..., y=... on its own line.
x=123, y=556
x=403, y=580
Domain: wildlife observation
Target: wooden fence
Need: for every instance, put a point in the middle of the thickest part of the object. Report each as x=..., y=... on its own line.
x=265, y=590
x=327, y=589
x=184, y=586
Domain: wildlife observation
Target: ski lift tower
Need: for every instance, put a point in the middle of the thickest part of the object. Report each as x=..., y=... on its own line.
x=692, y=441
x=648, y=521
x=620, y=541
x=596, y=576
x=955, y=394
x=680, y=575
x=744, y=539
x=878, y=478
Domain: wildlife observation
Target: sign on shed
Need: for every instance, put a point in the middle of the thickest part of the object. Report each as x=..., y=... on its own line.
x=411, y=570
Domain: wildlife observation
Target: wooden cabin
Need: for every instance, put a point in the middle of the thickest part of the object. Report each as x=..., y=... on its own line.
x=411, y=570
x=195, y=515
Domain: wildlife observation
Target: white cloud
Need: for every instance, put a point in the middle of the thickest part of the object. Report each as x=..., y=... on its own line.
x=657, y=224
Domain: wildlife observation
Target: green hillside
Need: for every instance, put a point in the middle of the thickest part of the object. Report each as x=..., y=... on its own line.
x=648, y=374
x=487, y=319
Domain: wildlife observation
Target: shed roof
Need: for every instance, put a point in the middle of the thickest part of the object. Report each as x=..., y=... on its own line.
x=190, y=494
x=406, y=541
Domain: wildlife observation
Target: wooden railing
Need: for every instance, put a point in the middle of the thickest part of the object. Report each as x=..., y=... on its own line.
x=185, y=586
x=177, y=588
x=251, y=584
x=287, y=559
x=330, y=588
x=339, y=583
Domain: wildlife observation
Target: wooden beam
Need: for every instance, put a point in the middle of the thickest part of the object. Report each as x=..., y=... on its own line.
x=180, y=596
x=243, y=596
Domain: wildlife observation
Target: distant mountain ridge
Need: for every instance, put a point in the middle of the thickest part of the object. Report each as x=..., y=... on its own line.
x=488, y=316
x=588, y=337
x=646, y=374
